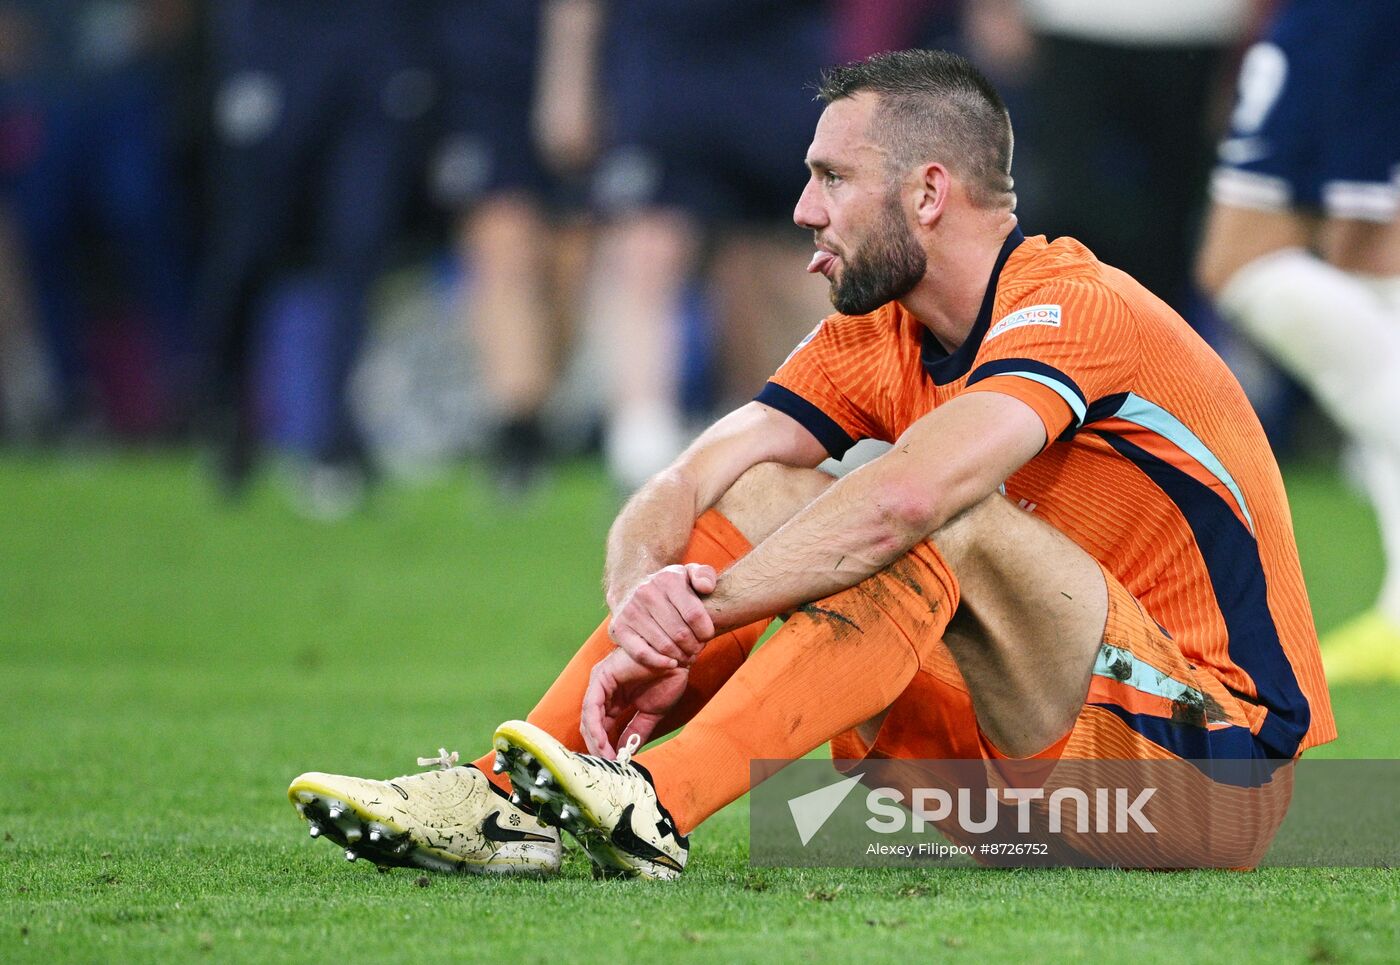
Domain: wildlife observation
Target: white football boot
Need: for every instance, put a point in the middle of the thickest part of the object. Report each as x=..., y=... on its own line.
x=451, y=819
x=609, y=806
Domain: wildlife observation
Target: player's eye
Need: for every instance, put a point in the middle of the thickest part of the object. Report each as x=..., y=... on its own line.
x=830, y=178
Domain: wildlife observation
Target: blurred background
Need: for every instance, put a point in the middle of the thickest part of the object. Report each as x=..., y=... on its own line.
x=332, y=333
x=352, y=244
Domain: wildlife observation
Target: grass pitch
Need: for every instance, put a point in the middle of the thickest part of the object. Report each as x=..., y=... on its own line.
x=167, y=666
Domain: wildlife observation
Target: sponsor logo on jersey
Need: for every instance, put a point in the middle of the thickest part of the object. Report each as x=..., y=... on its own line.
x=1034, y=315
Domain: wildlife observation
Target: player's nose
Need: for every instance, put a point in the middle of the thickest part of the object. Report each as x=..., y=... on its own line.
x=810, y=213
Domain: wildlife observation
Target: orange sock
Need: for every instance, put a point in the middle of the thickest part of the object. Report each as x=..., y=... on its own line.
x=835, y=664
x=714, y=541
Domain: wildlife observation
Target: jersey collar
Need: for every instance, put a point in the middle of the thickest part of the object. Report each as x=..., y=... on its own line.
x=947, y=367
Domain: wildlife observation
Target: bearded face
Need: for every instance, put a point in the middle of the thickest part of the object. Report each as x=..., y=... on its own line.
x=885, y=266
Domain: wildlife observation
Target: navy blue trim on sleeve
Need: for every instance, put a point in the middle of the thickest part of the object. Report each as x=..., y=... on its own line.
x=1049, y=376
x=1034, y=366
x=826, y=430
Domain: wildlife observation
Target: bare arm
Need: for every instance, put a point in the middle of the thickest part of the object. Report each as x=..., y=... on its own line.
x=949, y=460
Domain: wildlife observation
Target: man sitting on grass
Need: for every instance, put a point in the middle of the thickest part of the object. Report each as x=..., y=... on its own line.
x=1078, y=547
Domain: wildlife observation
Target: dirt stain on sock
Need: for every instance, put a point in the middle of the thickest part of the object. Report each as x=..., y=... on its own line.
x=841, y=626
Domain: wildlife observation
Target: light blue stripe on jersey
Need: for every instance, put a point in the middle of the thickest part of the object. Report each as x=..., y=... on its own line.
x=1072, y=399
x=1154, y=418
x=1115, y=663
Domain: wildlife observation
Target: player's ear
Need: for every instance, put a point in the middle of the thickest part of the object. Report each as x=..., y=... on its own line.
x=933, y=185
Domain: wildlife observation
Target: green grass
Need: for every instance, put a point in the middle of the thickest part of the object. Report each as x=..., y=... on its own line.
x=166, y=666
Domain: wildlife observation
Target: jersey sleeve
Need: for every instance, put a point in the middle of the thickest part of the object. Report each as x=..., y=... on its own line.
x=1060, y=349
x=830, y=382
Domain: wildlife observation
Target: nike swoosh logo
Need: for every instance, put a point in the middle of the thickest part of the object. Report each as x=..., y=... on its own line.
x=494, y=832
x=625, y=838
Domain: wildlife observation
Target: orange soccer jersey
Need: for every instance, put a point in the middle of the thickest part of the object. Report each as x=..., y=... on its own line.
x=1156, y=465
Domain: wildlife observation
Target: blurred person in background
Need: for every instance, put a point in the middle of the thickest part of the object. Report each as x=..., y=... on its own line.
x=1119, y=133
x=518, y=132
x=708, y=111
x=87, y=91
x=315, y=111
x=1302, y=251
x=27, y=399
x=1123, y=104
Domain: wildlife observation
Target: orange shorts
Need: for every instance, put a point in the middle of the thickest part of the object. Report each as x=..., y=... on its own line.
x=1145, y=702
x=1147, y=713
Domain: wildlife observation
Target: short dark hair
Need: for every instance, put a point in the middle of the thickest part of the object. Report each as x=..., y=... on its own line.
x=934, y=104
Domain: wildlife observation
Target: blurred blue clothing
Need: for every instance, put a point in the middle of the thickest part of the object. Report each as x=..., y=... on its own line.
x=86, y=133
x=711, y=104
x=80, y=41
x=486, y=54
x=315, y=106
x=1317, y=120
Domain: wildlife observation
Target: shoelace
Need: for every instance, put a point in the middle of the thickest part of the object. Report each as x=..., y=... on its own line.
x=444, y=759
x=624, y=756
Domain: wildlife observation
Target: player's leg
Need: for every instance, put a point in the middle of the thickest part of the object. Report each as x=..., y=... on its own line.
x=266, y=120
x=1368, y=249
x=1033, y=610
x=644, y=260
x=834, y=663
x=766, y=303
x=43, y=197
x=27, y=393
x=1367, y=647
x=1028, y=639
x=1027, y=609
x=660, y=190
x=1037, y=632
x=360, y=200
x=464, y=818
x=505, y=239
x=1150, y=718
x=1334, y=324
x=1315, y=129
x=487, y=171
x=758, y=503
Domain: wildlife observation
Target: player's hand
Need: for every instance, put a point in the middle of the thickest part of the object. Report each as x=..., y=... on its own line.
x=625, y=698
x=663, y=622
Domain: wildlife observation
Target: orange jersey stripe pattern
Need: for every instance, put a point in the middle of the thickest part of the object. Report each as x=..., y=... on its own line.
x=1156, y=464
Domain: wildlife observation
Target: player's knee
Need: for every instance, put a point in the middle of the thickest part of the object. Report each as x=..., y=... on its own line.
x=970, y=532
x=767, y=495
x=771, y=480
x=1236, y=236
x=1362, y=247
x=1214, y=268
x=506, y=228
x=654, y=244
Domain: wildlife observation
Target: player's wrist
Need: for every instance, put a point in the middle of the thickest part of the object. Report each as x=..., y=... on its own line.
x=722, y=608
x=620, y=590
